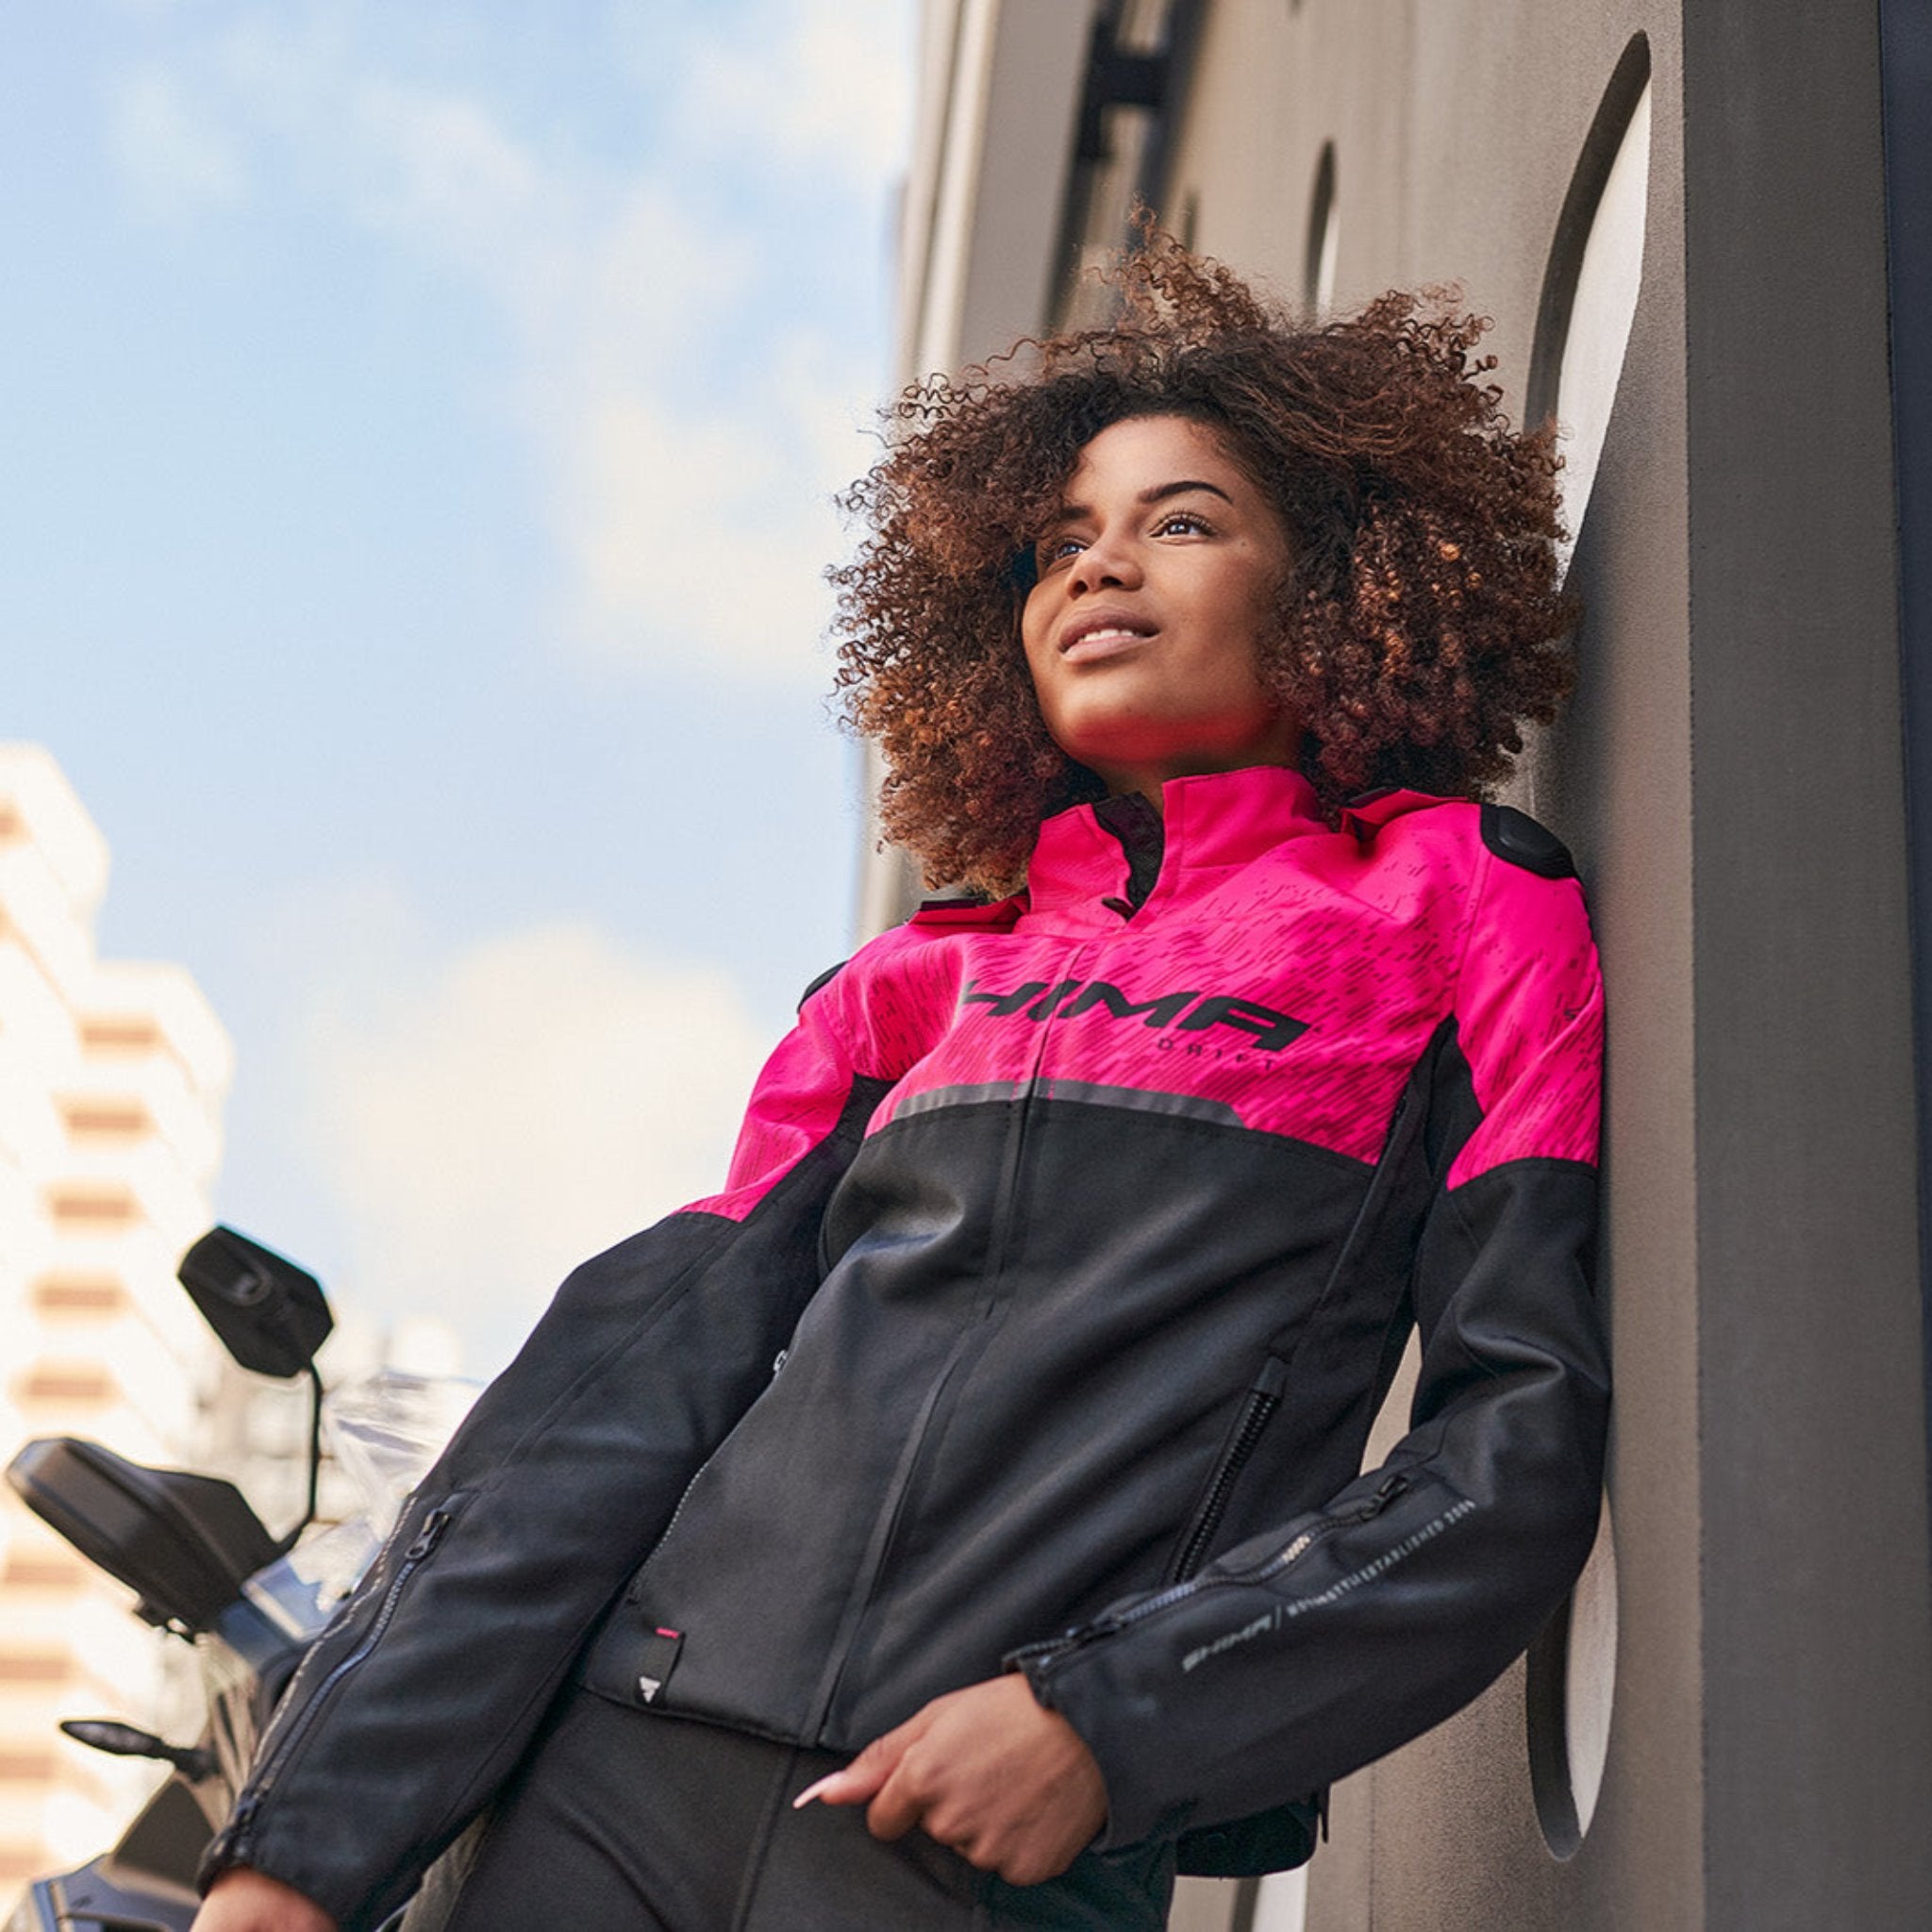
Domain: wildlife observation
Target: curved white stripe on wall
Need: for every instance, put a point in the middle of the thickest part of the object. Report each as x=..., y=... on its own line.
x=1592, y=283
x=1589, y=304
x=1323, y=241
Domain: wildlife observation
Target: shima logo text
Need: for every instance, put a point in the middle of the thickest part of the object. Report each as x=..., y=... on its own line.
x=1188, y=1011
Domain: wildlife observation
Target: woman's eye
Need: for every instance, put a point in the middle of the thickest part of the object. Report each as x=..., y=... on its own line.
x=1173, y=523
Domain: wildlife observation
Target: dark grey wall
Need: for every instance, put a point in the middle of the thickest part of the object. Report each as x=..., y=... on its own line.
x=1816, y=1702
x=1907, y=51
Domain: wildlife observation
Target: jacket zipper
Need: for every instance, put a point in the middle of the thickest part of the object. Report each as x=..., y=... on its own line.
x=634, y=1590
x=1381, y=1182
x=1263, y=1399
x=1011, y=1163
x=893, y=1508
x=1052, y=1649
x=415, y=1557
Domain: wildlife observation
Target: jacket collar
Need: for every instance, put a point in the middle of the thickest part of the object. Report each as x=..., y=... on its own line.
x=1214, y=823
x=1372, y=810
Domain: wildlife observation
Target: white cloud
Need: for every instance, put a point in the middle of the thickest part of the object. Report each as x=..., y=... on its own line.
x=825, y=86
x=645, y=279
x=698, y=530
x=687, y=525
x=495, y=1116
x=440, y=168
x=174, y=156
x=690, y=505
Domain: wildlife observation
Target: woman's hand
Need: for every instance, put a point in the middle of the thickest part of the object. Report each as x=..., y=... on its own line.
x=989, y=1771
x=245, y=1901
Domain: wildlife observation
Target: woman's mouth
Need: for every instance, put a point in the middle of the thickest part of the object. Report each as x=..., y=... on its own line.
x=1101, y=638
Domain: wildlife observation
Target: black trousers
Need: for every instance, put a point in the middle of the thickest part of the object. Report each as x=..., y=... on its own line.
x=624, y=1821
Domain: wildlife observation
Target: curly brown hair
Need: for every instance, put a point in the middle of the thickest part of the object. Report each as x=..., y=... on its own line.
x=1422, y=621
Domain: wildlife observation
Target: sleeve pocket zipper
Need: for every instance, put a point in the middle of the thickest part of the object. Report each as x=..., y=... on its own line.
x=413, y=1558
x=1045, y=1653
x=1386, y=1491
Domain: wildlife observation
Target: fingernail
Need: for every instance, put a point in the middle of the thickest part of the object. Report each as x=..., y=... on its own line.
x=811, y=1791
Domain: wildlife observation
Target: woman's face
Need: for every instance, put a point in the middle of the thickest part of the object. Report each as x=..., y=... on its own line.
x=1157, y=583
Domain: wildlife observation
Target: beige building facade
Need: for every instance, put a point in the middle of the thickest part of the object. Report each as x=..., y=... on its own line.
x=111, y=1081
x=1676, y=212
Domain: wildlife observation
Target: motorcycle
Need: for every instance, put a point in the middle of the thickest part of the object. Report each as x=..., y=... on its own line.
x=205, y=1568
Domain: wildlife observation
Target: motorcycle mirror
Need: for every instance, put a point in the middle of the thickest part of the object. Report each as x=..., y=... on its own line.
x=271, y=1315
x=124, y=1741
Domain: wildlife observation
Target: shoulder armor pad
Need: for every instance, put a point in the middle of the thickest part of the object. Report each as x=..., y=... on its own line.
x=1517, y=837
x=825, y=978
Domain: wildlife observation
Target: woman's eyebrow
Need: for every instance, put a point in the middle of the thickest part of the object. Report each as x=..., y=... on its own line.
x=1160, y=492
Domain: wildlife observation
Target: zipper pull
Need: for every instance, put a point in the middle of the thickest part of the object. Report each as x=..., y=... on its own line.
x=1387, y=1490
x=1293, y=1549
x=427, y=1537
x=1050, y=1650
x=1035, y=1652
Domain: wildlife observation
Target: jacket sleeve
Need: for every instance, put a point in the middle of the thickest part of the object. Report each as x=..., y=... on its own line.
x=409, y=1709
x=1306, y=1651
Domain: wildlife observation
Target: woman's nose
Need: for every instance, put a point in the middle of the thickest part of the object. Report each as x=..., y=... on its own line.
x=1108, y=561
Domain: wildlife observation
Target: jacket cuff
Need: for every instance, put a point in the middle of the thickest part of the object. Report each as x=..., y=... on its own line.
x=1133, y=1813
x=220, y=1857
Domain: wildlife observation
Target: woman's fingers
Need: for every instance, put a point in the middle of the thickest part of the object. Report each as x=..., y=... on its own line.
x=863, y=1778
x=987, y=1771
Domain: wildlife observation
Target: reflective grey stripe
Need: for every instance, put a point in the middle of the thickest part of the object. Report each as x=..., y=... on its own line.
x=1185, y=1105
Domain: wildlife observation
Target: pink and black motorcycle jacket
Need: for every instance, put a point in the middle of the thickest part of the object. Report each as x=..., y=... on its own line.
x=1069, y=1247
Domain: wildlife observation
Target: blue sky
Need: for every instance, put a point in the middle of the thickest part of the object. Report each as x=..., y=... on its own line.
x=421, y=424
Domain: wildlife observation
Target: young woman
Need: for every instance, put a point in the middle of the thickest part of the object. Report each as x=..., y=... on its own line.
x=957, y=1520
